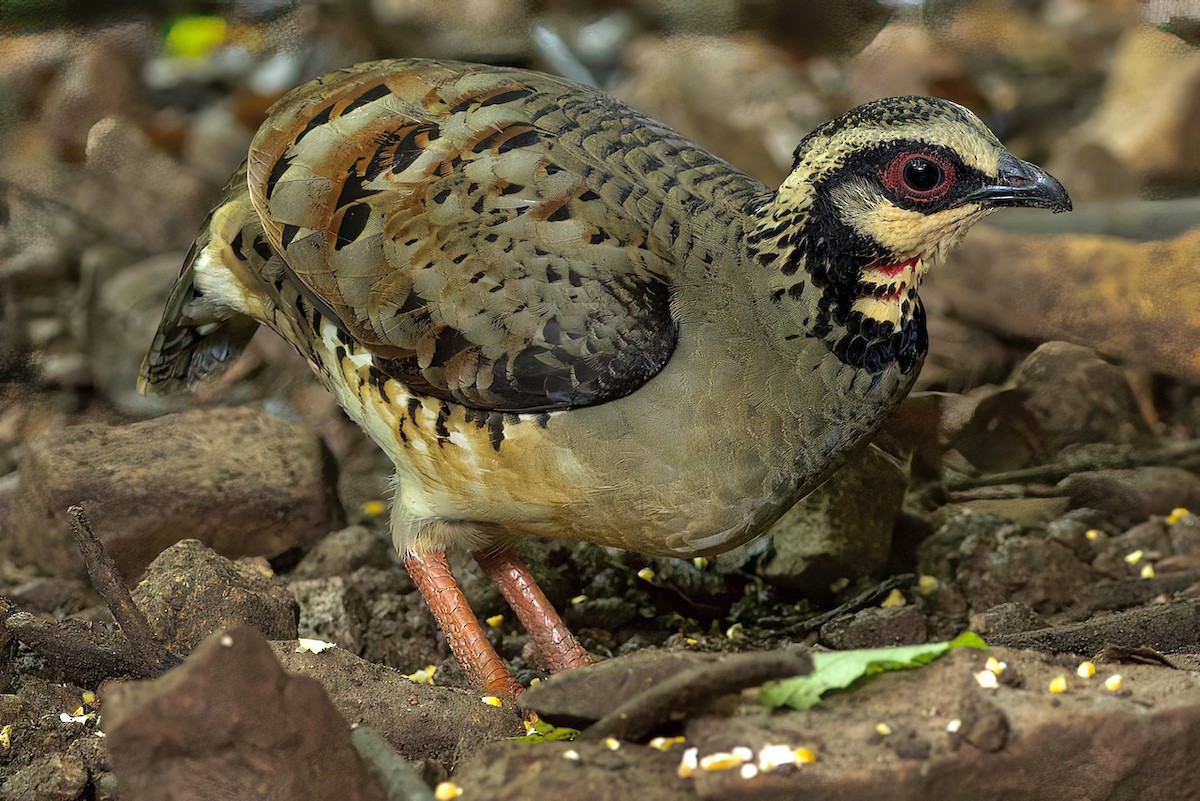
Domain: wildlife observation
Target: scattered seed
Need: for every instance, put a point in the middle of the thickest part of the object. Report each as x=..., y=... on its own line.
x=1113, y=682
x=578, y=599
x=987, y=680
x=995, y=665
x=749, y=770
x=736, y=632
x=895, y=598
x=805, y=756
x=743, y=753
x=1085, y=670
x=1147, y=571
x=423, y=676
x=771, y=757
x=722, y=760
x=89, y=697
x=927, y=584
x=666, y=743
x=691, y=641
x=954, y=725
x=612, y=743
x=227, y=641
x=535, y=681
x=447, y=791
x=1133, y=557
x=1092, y=534
x=688, y=763
x=309, y=646
x=646, y=574
x=374, y=508
x=76, y=718
x=1058, y=684
x=491, y=700
x=700, y=562
x=572, y=755
x=883, y=729
x=1177, y=515
x=6, y=735
x=839, y=584
x=495, y=621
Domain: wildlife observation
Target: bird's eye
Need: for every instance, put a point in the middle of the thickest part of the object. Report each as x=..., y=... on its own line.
x=919, y=176
x=922, y=175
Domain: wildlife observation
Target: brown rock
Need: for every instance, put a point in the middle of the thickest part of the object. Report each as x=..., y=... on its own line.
x=1009, y=617
x=229, y=723
x=191, y=591
x=56, y=777
x=1132, y=495
x=343, y=552
x=1164, y=627
x=1129, y=300
x=875, y=628
x=241, y=481
x=1144, y=132
x=333, y=610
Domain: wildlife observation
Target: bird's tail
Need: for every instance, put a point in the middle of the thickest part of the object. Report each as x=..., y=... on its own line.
x=196, y=337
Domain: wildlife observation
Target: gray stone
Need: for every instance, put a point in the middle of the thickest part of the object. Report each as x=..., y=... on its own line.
x=55, y=777
x=1130, y=496
x=333, y=610
x=344, y=551
x=842, y=530
x=241, y=481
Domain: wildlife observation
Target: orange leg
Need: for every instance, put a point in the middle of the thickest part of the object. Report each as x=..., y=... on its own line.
x=479, y=660
x=553, y=640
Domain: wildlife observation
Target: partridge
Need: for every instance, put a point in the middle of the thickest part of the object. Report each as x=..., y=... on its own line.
x=560, y=318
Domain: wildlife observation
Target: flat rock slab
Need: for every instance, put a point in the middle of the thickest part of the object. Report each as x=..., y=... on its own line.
x=424, y=723
x=1016, y=741
x=230, y=723
x=241, y=481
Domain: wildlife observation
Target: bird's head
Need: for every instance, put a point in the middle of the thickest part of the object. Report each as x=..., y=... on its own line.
x=874, y=198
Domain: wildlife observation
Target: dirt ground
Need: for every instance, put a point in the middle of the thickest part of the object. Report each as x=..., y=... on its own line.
x=1040, y=487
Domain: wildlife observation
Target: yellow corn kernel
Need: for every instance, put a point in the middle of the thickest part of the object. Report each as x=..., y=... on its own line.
x=688, y=763
x=572, y=755
x=374, y=508
x=700, y=562
x=1113, y=682
x=895, y=598
x=954, y=725
x=1058, y=684
x=883, y=729
x=612, y=743
x=89, y=697
x=995, y=665
x=6, y=736
x=1177, y=515
x=1092, y=534
x=646, y=574
x=722, y=760
x=987, y=680
x=927, y=584
x=839, y=584
x=495, y=621
x=447, y=791
x=805, y=756
x=749, y=770
x=736, y=632
x=491, y=700
x=666, y=743
x=1085, y=670
x=1133, y=557
x=578, y=599
x=1147, y=571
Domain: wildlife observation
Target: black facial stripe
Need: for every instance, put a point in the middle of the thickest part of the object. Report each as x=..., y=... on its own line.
x=869, y=162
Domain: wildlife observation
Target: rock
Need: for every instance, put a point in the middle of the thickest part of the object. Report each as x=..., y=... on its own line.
x=423, y=723
x=56, y=596
x=904, y=58
x=98, y=80
x=1149, y=538
x=1144, y=131
x=331, y=609
x=1098, y=290
x=229, y=723
x=344, y=551
x=875, y=628
x=842, y=530
x=1131, y=495
x=1184, y=535
x=55, y=777
x=1166, y=628
x=990, y=561
x=961, y=357
x=154, y=216
x=239, y=480
x=1061, y=395
x=191, y=591
x=1010, y=617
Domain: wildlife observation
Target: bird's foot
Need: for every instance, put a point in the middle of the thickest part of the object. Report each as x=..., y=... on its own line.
x=547, y=631
x=479, y=660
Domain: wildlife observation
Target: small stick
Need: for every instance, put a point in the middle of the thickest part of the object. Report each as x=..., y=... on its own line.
x=106, y=578
x=679, y=695
x=1182, y=454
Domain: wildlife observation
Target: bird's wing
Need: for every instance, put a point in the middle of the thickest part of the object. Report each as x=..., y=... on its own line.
x=488, y=234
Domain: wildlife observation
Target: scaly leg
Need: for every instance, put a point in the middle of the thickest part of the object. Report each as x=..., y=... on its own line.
x=549, y=635
x=479, y=660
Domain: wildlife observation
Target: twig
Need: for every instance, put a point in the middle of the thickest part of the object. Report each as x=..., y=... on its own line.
x=860, y=601
x=106, y=578
x=1180, y=454
x=676, y=697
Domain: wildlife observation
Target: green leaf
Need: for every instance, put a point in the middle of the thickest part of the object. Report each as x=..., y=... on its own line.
x=543, y=732
x=834, y=670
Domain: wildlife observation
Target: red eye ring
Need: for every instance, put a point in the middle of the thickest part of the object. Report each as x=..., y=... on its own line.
x=899, y=175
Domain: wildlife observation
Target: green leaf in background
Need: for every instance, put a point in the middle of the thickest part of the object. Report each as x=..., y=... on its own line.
x=833, y=670
x=194, y=36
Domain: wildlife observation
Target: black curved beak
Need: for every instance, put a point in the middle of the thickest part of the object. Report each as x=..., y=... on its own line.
x=1023, y=184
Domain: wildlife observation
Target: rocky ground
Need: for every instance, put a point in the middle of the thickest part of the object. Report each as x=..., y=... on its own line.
x=1041, y=487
